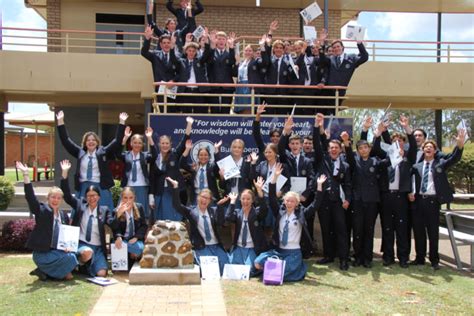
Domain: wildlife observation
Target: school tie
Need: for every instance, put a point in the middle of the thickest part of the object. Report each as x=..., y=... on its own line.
x=284, y=238
x=391, y=174
x=54, y=242
x=165, y=58
x=424, y=181
x=245, y=231
x=207, y=231
x=134, y=170
x=338, y=61
x=201, y=179
x=188, y=69
x=89, y=228
x=89, y=169
x=131, y=228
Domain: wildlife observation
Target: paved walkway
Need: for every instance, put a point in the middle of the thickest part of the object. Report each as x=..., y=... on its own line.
x=123, y=299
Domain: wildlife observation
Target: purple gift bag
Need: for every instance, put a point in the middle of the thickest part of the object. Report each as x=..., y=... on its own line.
x=274, y=271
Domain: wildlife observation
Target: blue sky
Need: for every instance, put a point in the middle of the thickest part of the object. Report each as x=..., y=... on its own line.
x=380, y=26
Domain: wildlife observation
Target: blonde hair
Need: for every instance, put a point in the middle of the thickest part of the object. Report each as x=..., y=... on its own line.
x=221, y=33
x=293, y=194
x=136, y=212
x=55, y=190
x=252, y=194
x=86, y=135
x=278, y=42
x=236, y=141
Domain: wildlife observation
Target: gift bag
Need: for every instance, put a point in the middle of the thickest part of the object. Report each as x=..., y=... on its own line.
x=274, y=271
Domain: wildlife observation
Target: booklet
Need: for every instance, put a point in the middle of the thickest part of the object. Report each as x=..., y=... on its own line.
x=102, y=281
x=298, y=184
x=171, y=92
x=355, y=32
x=231, y=169
x=198, y=32
x=236, y=272
x=280, y=183
x=311, y=12
x=119, y=257
x=68, y=238
x=209, y=268
x=310, y=33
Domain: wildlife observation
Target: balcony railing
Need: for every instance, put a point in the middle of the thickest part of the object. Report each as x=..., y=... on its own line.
x=104, y=42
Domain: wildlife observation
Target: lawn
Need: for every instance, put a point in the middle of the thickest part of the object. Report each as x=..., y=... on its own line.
x=22, y=294
x=380, y=290
x=11, y=175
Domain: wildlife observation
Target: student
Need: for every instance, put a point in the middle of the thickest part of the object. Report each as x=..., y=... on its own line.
x=43, y=240
x=249, y=238
x=167, y=164
x=289, y=226
x=92, y=159
x=135, y=172
x=221, y=64
x=183, y=13
x=274, y=133
x=91, y=218
x=204, y=173
x=336, y=198
x=129, y=225
x=300, y=76
x=204, y=221
x=431, y=189
x=192, y=69
x=308, y=151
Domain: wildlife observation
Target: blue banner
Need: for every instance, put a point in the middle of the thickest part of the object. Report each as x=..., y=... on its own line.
x=208, y=129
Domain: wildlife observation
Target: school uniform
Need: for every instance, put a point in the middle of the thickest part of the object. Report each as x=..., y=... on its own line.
x=135, y=174
x=204, y=233
x=332, y=216
x=131, y=227
x=431, y=188
x=93, y=169
x=221, y=64
x=181, y=14
x=288, y=233
x=92, y=229
x=180, y=33
x=160, y=188
x=302, y=80
x=249, y=238
x=315, y=74
x=202, y=177
x=44, y=238
x=239, y=183
x=194, y=71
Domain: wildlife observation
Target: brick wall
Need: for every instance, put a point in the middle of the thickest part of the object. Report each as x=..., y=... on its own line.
x=13, y=148
x=53, y=12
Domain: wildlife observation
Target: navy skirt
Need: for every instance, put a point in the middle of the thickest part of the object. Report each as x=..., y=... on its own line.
x=212, y=250
x=164, y=207
x=98, y=261
x=295, y=267
x=55, y=263
x=247, y=256
x=136, y=248
x=244, y=100
x=105, y=195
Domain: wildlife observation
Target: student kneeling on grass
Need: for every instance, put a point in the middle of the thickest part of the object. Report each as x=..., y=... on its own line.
x=43, y=240
x=91, y=218
x=289, y=226
x=203, y=220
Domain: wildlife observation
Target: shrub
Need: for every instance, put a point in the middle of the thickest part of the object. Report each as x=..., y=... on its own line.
x=15, y=234
x=461, y=175
x=7, y=192
x=116, y=191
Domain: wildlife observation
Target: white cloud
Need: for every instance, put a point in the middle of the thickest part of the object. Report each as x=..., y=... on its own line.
x=407, y=26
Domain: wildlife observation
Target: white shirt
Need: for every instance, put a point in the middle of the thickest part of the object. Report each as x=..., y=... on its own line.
x=95, y=168
x=95, y=235
x=160, y=164
x=192, y=75
x=213, y=240
x=249, y=237
x=337, y=165
x=140, y=178
x=297, y=160
x=243, y=70
x=278, y=69
x=308, y=62
x=430, y=188
x=294, y=231
x=419, y=153
x=395, y=185
x=196, y=179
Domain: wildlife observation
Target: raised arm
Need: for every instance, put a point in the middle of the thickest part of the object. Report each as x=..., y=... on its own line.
x=284, y=139
x=145, y=51
x=180, y=208
x=182, y=144
x=169, y=6
x=256, y=131
x=272, y=197
x=68, y=198
x=115, y=144
x=318, y=149
x=30, y=196
x=316, y=204
x=70, y=146
x=363, y=55
x=348, y=149
x=262, y=208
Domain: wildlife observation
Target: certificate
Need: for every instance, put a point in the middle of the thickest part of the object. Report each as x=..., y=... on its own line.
x=198, y=32
x=170, y=92
x=310, y=33
x=393, y=151
x=355, y=32
x=236, y=272
x=293, y=66
x=231, y=169
x=68, y=238
x=311, y=12
x=298, y=184
x=119, y=257
x=209, y=267
x=280, y=183
x=462, y=126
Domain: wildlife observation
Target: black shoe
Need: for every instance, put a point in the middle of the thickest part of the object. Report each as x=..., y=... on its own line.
x=40, y=274
x=344, y=265
x=403, y=264
x=356, y=263
x=325, y=260
x=387, y=263
x=435, y=266
x=367, y=265
x=417, y=262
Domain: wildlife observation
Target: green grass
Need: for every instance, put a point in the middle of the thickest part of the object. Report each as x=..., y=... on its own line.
x=22, y=294
x=380, y=290
x=11, y=175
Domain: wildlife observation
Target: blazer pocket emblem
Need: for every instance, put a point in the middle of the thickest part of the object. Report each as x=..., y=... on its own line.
x=104, y=159
x=255, y=224
x=439, y=170
x=198, y=65
x=348, y=66
x=341, y=175
x=172, y=163
x=285, y=73
x=254, y=67
x=372, y=169
x=227, y=61
x=303, y=172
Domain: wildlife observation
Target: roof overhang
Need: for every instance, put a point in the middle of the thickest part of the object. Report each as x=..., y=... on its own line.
x=39, y=6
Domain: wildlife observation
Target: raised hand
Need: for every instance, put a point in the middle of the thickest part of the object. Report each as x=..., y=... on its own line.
x=261, y=108
x=323, y=35
x=60, y=117
x=345, y=138
x=189, y=37
x=23, y=168
x=288, y=125
x=217, y=146
x=123, y=118
x=189, y=144
x=321, y=179
x=148, y=32
x=174, y=183
x=253, y=158
x=319, y=120
x=277, y=173
x=231, y=40
x=233, y=197
x=405, y=123
x=150, y=6
x=273, y=27
x=149, y=132
x=460, y=138
x=65, y=165
x=259, y=183
x=367, y=123
x=128, y=132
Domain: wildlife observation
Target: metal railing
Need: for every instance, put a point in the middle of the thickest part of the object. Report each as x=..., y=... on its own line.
x=337, y=99
x=71, y=41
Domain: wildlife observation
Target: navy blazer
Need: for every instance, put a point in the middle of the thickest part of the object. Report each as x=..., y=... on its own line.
x=216, y=216
x=341, y=76
x=146, y=157
x=119, y=227
x=199, y=67
x=244, y=180
x=261, y=170
x=212, y=174
x=302, y=214
x=305, y=165
x=79, y=206
x=256, y=72
x=286, y=70
x=171, y=169
x=255, y=222
x=180, y=33
x=439, y=166
x=318, y=72
x=162, y=71
x=221, y=67
x=102, y=153
x=181, y=15
x=323, y=164
x=42, y=235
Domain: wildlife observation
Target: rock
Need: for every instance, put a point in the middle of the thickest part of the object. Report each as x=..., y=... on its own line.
x=156, y=231
x=187, y=260
x=185, y=247
x=167, y=261
x=150, y=250
x=146, y=262
x=150, y=240
x=175, y=237
x=169, y=247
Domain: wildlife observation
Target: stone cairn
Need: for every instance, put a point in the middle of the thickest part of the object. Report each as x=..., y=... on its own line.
x=167, y=245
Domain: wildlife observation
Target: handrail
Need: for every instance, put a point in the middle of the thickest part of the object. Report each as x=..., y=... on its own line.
x=246, y=85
